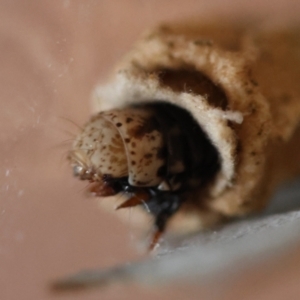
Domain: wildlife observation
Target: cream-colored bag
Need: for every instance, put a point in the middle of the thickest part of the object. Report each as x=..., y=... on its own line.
x=254, y=129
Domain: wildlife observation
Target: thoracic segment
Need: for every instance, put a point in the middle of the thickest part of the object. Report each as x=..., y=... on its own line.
x=143, y=143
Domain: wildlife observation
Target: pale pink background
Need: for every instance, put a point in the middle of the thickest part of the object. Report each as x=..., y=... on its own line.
x=52, y=55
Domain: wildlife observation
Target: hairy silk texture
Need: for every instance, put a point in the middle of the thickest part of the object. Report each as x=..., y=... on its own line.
x=199, y=123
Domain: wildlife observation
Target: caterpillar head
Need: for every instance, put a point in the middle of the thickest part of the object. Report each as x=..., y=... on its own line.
x=117, y=144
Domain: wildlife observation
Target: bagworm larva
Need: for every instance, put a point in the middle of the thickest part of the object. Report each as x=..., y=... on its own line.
x=199, y=123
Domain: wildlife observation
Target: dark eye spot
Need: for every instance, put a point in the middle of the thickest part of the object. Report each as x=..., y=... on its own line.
x=119, y=124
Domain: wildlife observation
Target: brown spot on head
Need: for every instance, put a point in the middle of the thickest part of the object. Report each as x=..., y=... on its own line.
x=129, y=120
x=133, y=162
x=133, y=144
x=149, y=162
x=254, y=82
x=148, y=155
x=127, y=140
x=171, y=44
x=119, y=124
x=147, y=126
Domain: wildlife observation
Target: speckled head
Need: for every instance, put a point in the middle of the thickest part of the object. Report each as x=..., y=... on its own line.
x=120, y=143
x=98, y=150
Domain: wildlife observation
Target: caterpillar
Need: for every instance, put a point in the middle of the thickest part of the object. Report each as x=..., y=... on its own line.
x=197, y=124
x=153, y=152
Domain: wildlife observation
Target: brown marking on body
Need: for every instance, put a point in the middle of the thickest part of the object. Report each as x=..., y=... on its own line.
x=148, y=125
x=148, y=155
